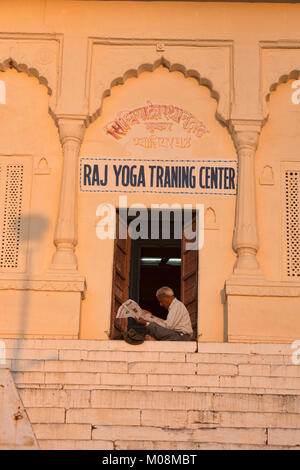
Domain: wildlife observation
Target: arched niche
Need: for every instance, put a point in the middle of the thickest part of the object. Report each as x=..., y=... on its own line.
x=209, y=61
x=28, y=134
x=277, y=170
x=151, y=67
x=160, y=86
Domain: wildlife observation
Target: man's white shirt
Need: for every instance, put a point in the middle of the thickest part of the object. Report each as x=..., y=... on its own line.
x=178, y=318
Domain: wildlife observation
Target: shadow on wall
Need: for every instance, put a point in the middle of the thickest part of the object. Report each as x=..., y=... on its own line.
x=34, y=229
x=225, y=315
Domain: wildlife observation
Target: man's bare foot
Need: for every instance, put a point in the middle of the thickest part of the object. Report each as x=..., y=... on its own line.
x=149, y=338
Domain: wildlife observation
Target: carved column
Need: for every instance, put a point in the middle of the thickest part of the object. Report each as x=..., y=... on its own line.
x=245, y=238
x=71, y=131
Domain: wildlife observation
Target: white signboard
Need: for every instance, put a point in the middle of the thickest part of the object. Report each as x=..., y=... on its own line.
x=135, y=175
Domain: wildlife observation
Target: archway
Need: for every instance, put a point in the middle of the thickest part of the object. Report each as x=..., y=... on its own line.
x=161, y=86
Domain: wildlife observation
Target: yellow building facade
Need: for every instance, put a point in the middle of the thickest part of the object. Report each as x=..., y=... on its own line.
x=110, y=108
x=67, y=77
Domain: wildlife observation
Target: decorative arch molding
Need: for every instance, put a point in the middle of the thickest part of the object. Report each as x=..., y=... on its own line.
x=209, y=62
x=135, y=73
x=30, y=71
x=280, y=62
x=37, y=55
x=294, y=74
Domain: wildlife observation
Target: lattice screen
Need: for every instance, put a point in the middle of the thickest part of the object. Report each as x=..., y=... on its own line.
x=10, y=244
x=292, y=201
x=14, y=199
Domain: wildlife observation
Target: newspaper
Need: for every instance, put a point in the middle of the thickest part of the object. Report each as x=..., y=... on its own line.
x=132, y=309
x=129, y=309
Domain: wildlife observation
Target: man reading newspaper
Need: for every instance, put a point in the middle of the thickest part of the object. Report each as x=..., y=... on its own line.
x=176, y=327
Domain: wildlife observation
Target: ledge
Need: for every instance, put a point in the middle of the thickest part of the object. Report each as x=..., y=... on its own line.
x=99, y=345
x=44, y=282
x=262, y=288
x=242, y=347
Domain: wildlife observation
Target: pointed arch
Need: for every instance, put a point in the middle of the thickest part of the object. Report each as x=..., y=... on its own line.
x=151, y=67
x=30, y=71
x=284, y=78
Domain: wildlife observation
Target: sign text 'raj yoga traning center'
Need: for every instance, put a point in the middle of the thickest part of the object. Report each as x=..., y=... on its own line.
x=114, y=115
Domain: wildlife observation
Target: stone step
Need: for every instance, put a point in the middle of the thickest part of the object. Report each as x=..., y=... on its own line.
x=90, y=387
x=229, y=358
x=99, y=345
x=82, y=394
x=43, y=360
x=218, y=435
x=169, y=368
x=36, y=355
x=159, y=400
x=150, y=346
x=167, y=445
x=135, y=354
x=94, y=444
x=180, y=419
x=156, y=380
x=113, y=432
x=73, y=444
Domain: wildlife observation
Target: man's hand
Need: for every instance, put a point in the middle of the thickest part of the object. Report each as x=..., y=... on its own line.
x=141, y=321
x=146, y=312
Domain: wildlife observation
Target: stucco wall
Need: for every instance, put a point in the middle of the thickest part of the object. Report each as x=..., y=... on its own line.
x=80, y=64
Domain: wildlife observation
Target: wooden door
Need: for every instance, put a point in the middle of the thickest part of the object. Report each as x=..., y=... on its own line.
x=189, y=279
x=121, y=276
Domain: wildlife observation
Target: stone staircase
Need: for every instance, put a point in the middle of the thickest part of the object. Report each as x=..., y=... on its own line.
x=82, y=394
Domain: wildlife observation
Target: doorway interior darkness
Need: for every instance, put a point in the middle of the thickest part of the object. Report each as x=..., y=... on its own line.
x=154, y=263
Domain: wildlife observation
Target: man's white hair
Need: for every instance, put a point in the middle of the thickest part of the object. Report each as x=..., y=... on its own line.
x=164, y=291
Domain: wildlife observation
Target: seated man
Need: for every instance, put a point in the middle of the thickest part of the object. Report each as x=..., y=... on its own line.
x=177, y=326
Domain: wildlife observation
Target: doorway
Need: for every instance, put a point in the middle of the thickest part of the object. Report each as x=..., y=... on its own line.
x=144, y=264
x=154, y=263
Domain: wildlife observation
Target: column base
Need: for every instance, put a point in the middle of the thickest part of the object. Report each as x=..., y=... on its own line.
x=64, y=260
x=246, y=265
x=62, y=269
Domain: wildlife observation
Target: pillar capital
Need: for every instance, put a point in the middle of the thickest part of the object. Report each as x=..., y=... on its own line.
x=71, y=128
x=245, y=134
